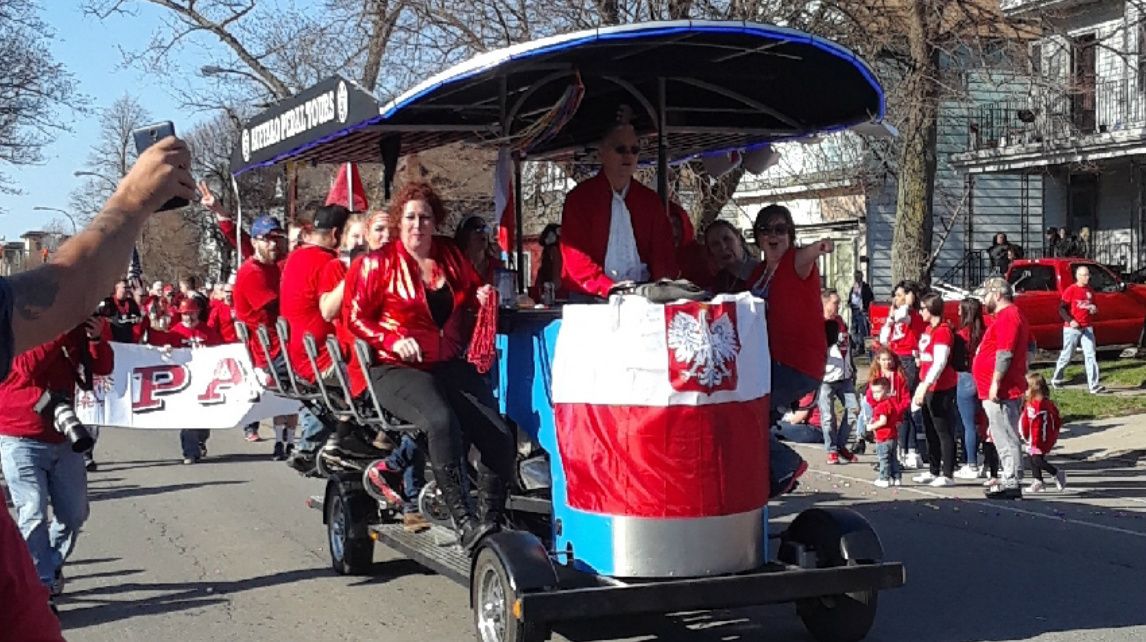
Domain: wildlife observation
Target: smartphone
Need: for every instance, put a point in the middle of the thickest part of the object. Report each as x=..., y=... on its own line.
x=146, y=137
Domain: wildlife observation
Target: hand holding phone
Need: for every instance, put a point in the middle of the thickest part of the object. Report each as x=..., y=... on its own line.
x=147, y=136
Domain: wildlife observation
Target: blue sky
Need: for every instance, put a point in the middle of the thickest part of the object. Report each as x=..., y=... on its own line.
x=88, y=47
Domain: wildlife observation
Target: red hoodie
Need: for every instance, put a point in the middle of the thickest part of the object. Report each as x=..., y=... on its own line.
x=49, y=366
x=1040, y=424
x=898, y=393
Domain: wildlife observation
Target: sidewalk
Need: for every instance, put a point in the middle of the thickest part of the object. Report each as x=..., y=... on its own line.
x=1122, y=438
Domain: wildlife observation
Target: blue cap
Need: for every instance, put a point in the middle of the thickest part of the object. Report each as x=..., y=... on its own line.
x=265, y=226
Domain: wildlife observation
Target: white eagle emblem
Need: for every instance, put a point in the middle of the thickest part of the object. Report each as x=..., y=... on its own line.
x=708, y=348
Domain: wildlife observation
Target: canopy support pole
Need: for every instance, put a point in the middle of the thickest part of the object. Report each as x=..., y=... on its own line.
x=238, y=223
x=662, y=145
x=519, y=223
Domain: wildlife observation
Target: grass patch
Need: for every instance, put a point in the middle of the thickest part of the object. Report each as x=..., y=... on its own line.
x=1124, y=377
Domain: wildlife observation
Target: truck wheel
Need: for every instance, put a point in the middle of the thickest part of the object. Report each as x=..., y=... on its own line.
x=492, y=596
x=351, y=549
x=847, y=617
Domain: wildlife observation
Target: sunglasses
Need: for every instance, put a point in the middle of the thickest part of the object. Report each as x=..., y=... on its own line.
x=622, y=150
x=778, y=229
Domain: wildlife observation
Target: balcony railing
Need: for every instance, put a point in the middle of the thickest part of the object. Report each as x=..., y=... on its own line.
x=1112, y=105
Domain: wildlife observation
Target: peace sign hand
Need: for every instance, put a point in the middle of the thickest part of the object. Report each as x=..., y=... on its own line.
x=207, y=199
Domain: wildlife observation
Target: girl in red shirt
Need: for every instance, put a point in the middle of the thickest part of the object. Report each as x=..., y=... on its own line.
x=887, y=366
x=901, y=334
x=1040, y=424
x=936, y=393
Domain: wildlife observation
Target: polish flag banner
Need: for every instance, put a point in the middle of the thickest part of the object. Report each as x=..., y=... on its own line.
x=661, y=410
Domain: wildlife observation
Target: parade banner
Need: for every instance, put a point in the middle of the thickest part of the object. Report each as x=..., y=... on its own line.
x=213, y=388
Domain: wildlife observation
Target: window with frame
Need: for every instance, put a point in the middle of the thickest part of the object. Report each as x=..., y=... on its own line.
x=1033, y=278
x=1100, y=279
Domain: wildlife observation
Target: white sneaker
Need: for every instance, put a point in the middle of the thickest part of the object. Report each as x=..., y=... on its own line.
x=1035, y=487
x=925, y=478
x=1060, y=480
x=911, y=460
x=897, y=481
x=940, y=482
x=967, y=472
x=883, y=483
x=994, y=481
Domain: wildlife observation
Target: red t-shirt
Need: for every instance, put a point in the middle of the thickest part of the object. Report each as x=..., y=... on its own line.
x=299, y=306
x=333, y=275
x=905, y=334
x=257, y=288
x=933, y=337
x=889, y=408
x=899, y=394
x=1009, y=332
x=222, y=320
x=795, y=316
x=1080, y=298
x=1040, y=424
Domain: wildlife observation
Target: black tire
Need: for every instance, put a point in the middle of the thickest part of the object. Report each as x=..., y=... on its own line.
x=845, y=617
x=492, y=596
x=347, y=536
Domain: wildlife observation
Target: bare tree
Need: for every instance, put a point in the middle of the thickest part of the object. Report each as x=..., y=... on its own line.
x=111, y=156
x=34, y=88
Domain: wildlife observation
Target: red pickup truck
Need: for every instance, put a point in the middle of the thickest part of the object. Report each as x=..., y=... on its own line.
x=1038, y=287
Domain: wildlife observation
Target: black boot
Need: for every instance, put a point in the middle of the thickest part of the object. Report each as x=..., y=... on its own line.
x=470, y=530
x=491, y=499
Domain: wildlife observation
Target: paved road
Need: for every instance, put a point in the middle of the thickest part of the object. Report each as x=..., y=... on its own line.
x=225, y=550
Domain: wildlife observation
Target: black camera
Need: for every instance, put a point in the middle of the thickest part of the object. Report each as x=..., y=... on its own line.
x=57, y=409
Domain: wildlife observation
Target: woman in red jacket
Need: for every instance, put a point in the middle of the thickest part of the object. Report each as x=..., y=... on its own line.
x=413, y=301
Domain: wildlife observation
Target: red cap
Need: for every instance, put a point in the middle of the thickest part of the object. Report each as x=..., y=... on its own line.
x=189, y=306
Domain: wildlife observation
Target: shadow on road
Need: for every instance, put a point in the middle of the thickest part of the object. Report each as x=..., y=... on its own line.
x=121, y=492
x=176, y=596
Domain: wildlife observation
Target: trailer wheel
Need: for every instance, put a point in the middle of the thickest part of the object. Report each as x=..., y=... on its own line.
x=351, y=549
x=493, y=596
x=847, y=617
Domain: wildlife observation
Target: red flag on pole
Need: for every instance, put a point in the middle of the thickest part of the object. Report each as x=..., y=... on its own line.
x=347, y=189
x=504, y=207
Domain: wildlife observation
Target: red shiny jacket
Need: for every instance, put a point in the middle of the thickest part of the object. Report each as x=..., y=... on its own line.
x=387, y=303
x=49, y=366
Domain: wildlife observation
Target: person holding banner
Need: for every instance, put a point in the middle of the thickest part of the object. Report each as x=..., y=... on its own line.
x=190, y=332
x=412, y=301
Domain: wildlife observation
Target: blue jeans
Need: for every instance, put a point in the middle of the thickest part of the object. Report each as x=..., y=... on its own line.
x=864, y=418
x=788, y=386
x=845, y=391
x=192, y=441
x=1071, y=337
x=912, y=419
x=888, y=463
x=411, y=460
x=799, y=433
x=967, y=401
x=39, y=473
x=313, y=432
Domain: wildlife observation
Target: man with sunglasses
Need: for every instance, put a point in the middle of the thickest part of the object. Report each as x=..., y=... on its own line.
x=614, y=229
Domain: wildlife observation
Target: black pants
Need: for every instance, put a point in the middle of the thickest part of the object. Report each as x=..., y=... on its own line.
x=453, y=406
x=1039, y=464
x=937, y=426
x=991, y=458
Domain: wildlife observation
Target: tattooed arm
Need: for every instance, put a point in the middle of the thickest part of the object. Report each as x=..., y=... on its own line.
x=57, y=296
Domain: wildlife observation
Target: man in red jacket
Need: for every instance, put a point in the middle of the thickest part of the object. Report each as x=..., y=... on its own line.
x=38, y=460
x=614, y=229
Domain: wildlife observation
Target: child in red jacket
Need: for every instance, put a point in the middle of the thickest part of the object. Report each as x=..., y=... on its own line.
x=886, y=414
x=1040, y=424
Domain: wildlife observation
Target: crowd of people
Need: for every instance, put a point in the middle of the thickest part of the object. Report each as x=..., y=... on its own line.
x=1057, y=242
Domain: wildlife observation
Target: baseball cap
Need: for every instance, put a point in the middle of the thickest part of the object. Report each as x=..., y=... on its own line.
x=330, y=217
x=266, y=225
x=189, y=306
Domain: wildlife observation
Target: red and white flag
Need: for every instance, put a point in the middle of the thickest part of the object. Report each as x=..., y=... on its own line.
x=662, y=410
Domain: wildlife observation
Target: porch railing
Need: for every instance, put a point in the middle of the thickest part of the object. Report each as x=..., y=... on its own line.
x=1048, y=115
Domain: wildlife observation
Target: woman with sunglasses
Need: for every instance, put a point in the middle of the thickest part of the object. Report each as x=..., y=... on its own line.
x=472, y=237
x=614, y=228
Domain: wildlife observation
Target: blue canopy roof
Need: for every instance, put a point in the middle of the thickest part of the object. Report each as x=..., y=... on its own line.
x=725, y=85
